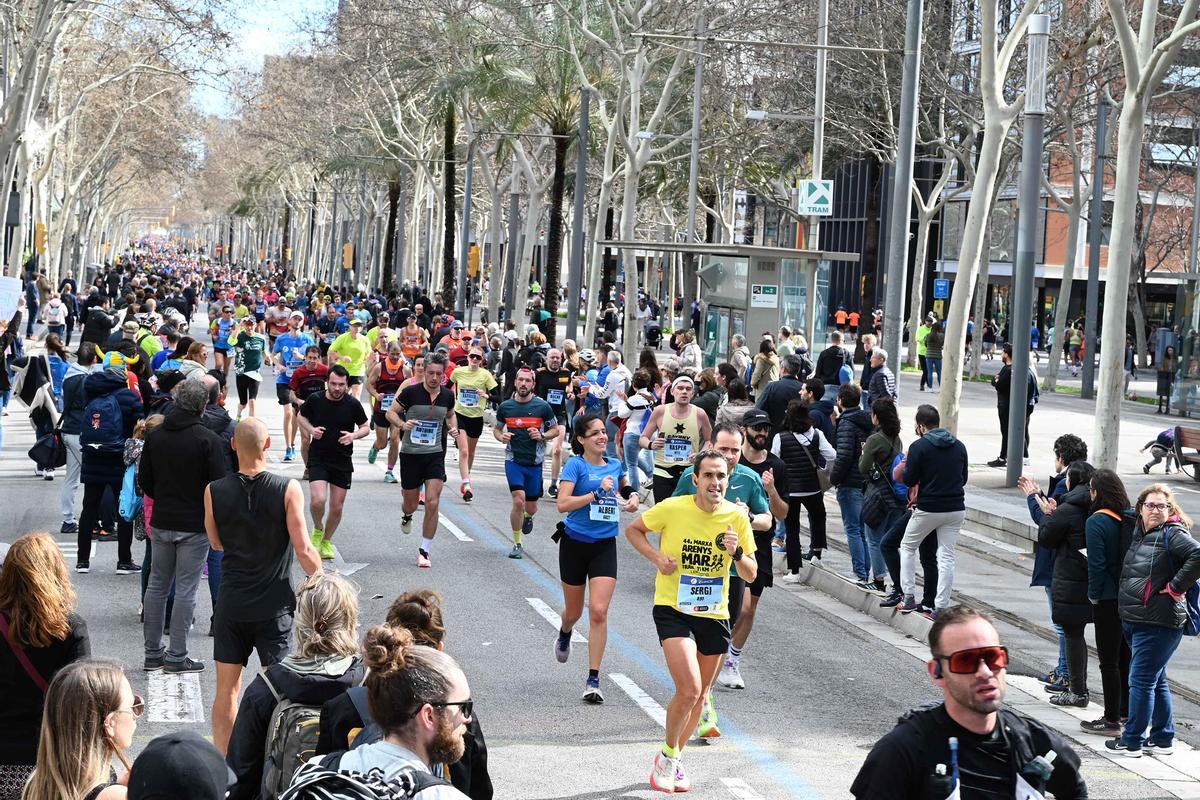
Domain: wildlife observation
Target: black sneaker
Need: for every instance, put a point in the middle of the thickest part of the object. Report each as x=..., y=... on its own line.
x=891, y=601
x=83, y=567
x=104, y=536
x=908, y=605
x=1117, y=747
x=153, y=664
x=128, y=568
x=527, y=526
x=1101, y=727
x=998, y=462
x=1058, y=687
x=69, y=527
x=187, y=665
x=1070, y=699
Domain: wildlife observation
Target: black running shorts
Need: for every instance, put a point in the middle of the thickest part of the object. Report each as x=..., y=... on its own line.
x=416, y=468
x=471, y=426
x=579, y=562
x=233, y=641
x=712, y=635
x=321, y=472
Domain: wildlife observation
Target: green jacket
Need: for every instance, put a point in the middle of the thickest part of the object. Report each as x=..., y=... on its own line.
x=879, y=449
x=922, y=335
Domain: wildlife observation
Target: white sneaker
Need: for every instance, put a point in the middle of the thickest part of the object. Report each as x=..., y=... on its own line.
x=682, y=782
x=792, y=578
x=731, y=675
x=662, y=777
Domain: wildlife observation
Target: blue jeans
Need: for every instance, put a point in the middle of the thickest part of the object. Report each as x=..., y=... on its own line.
x=637, y=460
x=611, y=450
x=850, y=501
x=935, y=367
x=874, y=537
x=1149, y=694
x=1062, y=668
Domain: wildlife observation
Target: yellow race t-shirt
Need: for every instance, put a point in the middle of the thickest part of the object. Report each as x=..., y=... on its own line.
x=700, y=583
x=356, y=348
x=473, y=384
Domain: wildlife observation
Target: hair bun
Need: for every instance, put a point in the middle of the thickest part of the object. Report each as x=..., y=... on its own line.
x=384, y=649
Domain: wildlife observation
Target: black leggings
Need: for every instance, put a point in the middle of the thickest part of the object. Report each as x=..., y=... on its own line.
x=1077, y=656
x=815, y=504
x=1114, y=660
x=93, y=494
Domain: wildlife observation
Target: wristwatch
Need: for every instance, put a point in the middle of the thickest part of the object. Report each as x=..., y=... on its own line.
x=737, y=554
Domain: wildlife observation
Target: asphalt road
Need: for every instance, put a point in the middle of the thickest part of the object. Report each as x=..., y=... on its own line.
x=823, y=682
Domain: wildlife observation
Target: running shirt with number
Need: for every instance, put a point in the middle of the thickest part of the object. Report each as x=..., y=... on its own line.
x=305, y=382
x=429, y=434
x=681, y=440
x=330, y=328
x=552, y=387
x=473, y=384
x=291, y=348
x=387, y=385
x=222, y=328
x=248, y=353
x=519, y=419
x=357, y=348
x=412, y=343
x=601, y=519
x=277, y=320
x=700, y=583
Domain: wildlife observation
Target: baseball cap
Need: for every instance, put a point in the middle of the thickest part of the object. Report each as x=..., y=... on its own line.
x=356, y=321
x=754, y=418
x=511, y=335
x=130, y=327
x=296, y=314
x=456, y=324
x=180, y=766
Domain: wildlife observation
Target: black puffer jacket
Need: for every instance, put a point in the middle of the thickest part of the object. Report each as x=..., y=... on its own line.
x=1147, y=569
x=1065, y=531
x=853, y=428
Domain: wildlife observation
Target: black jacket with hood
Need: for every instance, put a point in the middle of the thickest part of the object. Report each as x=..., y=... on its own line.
x=180, y=458
x=937, y=463
x=1065, y=531
x=1166, y=554
x=97, y=466
x=853, y=428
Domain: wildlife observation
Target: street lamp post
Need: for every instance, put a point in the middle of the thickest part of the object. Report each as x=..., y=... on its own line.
x=1028, y=193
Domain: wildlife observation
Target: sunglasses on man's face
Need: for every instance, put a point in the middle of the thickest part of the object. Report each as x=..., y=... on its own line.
x=966, y=662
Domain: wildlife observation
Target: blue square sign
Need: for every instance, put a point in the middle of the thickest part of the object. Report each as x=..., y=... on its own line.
x=941, y=289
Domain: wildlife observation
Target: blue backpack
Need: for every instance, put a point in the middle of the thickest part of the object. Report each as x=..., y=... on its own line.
x=749, y=373
x=898, y=486
x=130, y=502
x=103, y=424
x=1191, y=598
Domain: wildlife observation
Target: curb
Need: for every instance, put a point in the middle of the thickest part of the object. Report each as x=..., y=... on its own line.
x=846, y=592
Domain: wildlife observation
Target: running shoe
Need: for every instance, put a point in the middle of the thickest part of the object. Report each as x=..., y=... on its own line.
x=422, y=559
x=104, y=536
x=792, y=578
x=516, y=552
x=421, y=498
x=778, y=545
x=1117, y=747
x=707, y=727
x=317, y=536
x=892, y=600
x=467, y=494
x=731, y=675
x=289, y=455
x=372, y=454
x=928, y=613
x=69, y=527
x=187, y=665
x=1152, y=749
x=1059, y=686
x=82, y=567
x=553, y=490
x=128, y=568
x=527, y=526
x=908, y=605
x=1070, y=699
x=1051, y=677
x=1102, y=727
x=682, y=782
x=325, y=548
x=593, y=695
x=562, y=645
x=406, y=524
x=48, y=474
x=662, y=777
x=388, y=477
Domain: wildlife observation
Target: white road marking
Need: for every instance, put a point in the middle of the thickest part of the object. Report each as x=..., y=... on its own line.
x=456, y=531
x=644, y=701
x=550, y=615
x=740, y=789
x=174, y=697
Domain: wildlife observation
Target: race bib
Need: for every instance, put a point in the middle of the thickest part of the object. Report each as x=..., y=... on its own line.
x=677, y=448
x=605, y=510
x=385, y=402
x=329, y=337
x=468, y=398
x=426, y=432
x=554, y=397
x=698, y=594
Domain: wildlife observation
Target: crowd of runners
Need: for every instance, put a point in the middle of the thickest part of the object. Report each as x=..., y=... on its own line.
x=706, y=482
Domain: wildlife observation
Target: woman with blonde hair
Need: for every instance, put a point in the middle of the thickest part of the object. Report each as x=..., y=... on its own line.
x=91, y=715
x=194, y=363
x=323, y=664
x=41, y=633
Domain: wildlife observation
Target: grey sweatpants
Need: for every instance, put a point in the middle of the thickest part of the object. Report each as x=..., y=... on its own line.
x=947, y=524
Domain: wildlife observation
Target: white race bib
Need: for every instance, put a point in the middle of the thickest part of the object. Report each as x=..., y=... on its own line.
x=426, y=432
x=677, y=448
x=699, y=594
x=385, y=401
x=554, y=397
x=604, y=510
x=468, y=397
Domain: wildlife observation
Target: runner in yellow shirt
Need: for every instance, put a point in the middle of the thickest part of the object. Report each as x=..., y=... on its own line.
x=472, y=385
x=351, y=350
x=702, y=536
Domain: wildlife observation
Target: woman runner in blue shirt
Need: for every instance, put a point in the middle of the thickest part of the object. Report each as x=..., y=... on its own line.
x=593, y=490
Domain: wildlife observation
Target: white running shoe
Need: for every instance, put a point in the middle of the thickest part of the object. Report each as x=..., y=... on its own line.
x=662, y=777
x=682, y=782
x=792, y=578
x=731, y=676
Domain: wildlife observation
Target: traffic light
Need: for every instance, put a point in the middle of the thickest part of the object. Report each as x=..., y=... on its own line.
x=348, y=256
x=39, y=238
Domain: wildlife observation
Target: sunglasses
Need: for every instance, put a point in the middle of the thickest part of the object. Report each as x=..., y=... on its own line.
x=475, y=356
x=966, y=662
x=137, y=709
x=465, y=707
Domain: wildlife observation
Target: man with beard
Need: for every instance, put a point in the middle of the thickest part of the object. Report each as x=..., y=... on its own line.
x=997, y=750
x=333, y=420
x=554, y=386
x=524, y=423
x=308, y=380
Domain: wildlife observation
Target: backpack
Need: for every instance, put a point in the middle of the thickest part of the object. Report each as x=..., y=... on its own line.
x=317, y=781
x=749, y=372
x=1191, y=598
x=898, y=487
x=291, y=741
x=130, y=502
x=103, y=424
x=370, y=731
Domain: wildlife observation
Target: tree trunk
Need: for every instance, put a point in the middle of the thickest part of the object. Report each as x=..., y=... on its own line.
x=554, y=234
x=285, y=256
x=496, y=273
x=917, y=304
x=389, y=236
x=1062, y=308
x=980, y=311
x=982, y=190
x=608, y=277
x=450, y=176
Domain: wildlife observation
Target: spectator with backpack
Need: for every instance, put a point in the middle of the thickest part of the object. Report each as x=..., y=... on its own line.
x=274, y=724
x=346, y=720
x=111, y=409
x=1157, y=600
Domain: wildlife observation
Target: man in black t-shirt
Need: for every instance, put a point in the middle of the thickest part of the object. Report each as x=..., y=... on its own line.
x=333, y=420
x=999, y=751
x=553, y=384
x=257, y=519
x=757, y=456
